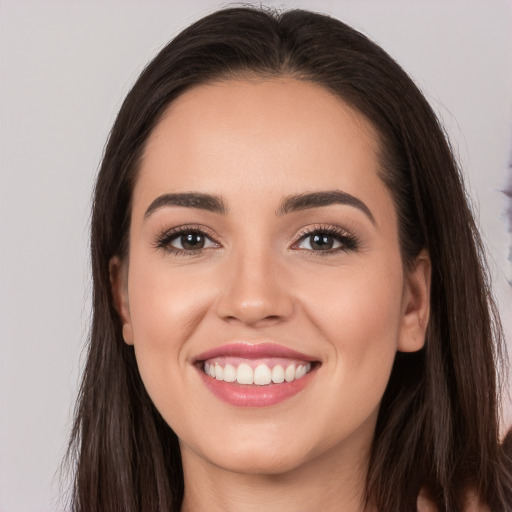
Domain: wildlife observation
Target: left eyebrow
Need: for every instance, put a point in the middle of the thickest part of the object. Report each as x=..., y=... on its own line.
x=323, y=198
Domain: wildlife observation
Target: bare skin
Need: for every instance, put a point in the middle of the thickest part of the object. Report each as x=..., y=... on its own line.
x=257, y=276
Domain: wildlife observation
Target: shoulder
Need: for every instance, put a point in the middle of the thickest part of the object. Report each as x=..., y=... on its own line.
x=424, y=504
x=472, y=503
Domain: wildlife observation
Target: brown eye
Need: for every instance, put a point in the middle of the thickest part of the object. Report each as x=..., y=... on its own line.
x=191, y=241
x=320, y=242
x=187, y=241
x=328, y=241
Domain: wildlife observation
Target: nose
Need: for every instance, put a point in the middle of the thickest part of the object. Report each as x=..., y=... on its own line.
x=253, y=291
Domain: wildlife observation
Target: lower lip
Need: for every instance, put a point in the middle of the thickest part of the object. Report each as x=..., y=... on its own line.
x=242, y=395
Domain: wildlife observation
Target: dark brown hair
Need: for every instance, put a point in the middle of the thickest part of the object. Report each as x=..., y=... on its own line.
x=438, y=426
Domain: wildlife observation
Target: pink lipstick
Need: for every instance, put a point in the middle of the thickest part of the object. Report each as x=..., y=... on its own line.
x=255, y=375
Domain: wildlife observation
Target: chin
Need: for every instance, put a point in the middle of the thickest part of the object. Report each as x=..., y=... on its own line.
x=261, y=462
x=265, y=456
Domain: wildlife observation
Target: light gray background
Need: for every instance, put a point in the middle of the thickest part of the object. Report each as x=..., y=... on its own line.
x=64, y=70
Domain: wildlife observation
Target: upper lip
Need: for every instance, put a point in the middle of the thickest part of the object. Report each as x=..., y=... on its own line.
x=253, y=351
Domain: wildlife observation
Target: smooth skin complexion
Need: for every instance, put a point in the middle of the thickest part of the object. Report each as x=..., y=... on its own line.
x=253, y=264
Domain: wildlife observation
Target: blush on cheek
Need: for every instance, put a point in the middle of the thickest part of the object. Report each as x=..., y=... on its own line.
x=362, y=325
x=165, y=312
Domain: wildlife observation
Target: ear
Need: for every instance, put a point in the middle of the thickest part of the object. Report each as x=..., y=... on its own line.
x=119, y=286
x=415, y=305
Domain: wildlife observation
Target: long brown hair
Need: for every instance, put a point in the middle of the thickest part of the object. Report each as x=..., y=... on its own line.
x=438, y=426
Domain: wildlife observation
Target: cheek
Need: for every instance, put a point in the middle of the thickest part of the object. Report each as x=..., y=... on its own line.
x=352, y=303
x=358, y=315
x=164, y=305
x=165, y=309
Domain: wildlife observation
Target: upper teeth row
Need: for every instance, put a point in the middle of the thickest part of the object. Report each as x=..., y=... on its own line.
x=260, y=376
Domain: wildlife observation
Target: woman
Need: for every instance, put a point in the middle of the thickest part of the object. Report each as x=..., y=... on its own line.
x=290, y=306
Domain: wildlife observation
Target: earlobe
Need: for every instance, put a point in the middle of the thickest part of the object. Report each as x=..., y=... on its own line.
x=415, y=305
x=119, y=287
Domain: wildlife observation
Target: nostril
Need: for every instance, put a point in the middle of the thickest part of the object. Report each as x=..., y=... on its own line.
x=253, y=318
x=251, y=301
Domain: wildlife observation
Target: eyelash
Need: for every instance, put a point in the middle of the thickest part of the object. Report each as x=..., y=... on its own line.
x=349, y=242
x=164, y=240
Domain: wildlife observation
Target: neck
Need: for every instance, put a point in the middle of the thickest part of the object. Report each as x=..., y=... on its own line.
x=333, y=481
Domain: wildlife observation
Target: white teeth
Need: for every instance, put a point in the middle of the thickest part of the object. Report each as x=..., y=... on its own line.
x=277, y=374
x=289, y=373
x=229, y=373
x=300, y=372
x=244, y=374
x=262, y=375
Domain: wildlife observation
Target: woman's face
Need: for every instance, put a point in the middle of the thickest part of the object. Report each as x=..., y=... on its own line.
x=263, y=241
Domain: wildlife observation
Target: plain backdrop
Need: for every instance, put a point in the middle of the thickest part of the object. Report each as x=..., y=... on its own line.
x=65, y=68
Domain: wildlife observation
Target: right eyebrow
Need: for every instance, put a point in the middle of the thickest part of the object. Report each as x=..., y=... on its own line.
x=207, y=202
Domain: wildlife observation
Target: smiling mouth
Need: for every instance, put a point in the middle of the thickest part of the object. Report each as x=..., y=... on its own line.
x=258, y=372
x=255, y=374
x=253, y=385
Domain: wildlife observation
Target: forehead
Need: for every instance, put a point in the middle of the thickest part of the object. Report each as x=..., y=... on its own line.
x=261, y=135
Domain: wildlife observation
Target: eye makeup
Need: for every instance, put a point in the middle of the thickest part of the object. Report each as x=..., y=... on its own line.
x=320, y=239
x=324, y=238
x=187, y=236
